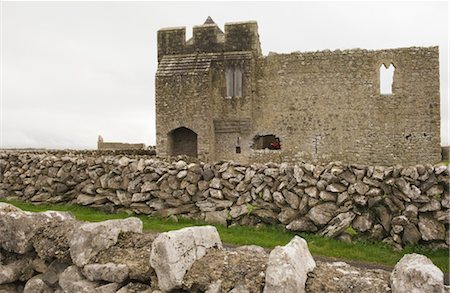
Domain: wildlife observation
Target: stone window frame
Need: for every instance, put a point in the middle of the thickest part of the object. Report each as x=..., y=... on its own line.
x=233, y=70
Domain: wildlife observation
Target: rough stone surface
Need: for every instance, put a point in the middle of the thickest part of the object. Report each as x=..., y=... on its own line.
x=13, y=271
x=224, y=270
x=109, y=272
x=431, y=229
x=288, y=266
x=72, y=281
x=303, y=224
x=89, y=239
x=133, y=250
x=51, y=241
x=338, y=224
x=415, y=273
x=18, y=228
x=342, y=277
x=323, y=213
x=173, y=253
x=136, y=288
x=37, y=285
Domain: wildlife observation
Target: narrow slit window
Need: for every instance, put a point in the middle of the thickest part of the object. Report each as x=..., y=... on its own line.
x=237, y=82
x=386, y=79
x=229, y=74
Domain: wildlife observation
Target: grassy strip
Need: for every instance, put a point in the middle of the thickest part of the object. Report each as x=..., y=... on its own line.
x=266, y=236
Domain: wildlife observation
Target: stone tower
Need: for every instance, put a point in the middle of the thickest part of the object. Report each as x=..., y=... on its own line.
x=205, y=88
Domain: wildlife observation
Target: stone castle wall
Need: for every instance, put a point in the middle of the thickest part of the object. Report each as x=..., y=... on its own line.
x=398, y=205
x=327, y=105
x=324, y=106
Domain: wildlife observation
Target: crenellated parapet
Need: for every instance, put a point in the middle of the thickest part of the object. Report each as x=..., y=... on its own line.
x=209, y=38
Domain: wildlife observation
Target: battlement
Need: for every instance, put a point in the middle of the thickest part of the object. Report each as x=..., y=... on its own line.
x=209, y=38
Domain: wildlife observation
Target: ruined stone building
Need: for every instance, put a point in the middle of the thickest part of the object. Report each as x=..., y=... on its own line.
x=218, y=97
x=102, y=145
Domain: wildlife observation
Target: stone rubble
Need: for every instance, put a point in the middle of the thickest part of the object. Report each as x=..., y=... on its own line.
x=121, y=259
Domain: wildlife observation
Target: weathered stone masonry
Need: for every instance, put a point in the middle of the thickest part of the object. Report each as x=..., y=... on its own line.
x=394, y=204
x=324, y=106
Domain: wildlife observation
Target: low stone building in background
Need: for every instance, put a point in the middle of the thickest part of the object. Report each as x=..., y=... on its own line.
x=101, y=145
x=218, y=97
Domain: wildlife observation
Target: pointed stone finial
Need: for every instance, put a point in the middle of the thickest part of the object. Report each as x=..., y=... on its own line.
x=209, y=20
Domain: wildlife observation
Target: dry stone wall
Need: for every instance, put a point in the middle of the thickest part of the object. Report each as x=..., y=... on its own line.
x=398, y=205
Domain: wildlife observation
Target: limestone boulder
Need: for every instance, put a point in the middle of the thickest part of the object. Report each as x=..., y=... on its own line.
x=327, y=196
x=288, y=266
x=411, y=234
x=361, y=188
x=411, y=212
x=174, y=252
x=14, y=271
x=311, y=191
x=338, y=224
x=430, y=228
x=302, y=224
x=384, y=217
x=217, y=217
x=415, y=273
x=237, y=211
x=108, y=288
x=52, y=273
x=72, y=281
x=133, y=287
x=17, y=228
x=336, y=187
x=239, y=289
x=291, y=198
x=109, y=272
x=6, y=207
x=89, y=239
x=85, y=199
x=286, y=215
x=322, y=213
x=363, y=222
x=342, y=277
x=37, y=285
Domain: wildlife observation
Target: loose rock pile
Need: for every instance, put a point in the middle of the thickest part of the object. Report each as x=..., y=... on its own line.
x=399, y=205
x=115, y=256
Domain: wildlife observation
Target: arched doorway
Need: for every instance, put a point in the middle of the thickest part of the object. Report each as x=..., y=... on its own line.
x=182, y=141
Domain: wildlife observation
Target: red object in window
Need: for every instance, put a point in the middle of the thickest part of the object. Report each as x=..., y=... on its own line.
x=276, y=145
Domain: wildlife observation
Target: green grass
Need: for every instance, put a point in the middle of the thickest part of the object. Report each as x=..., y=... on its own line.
x=265, y=236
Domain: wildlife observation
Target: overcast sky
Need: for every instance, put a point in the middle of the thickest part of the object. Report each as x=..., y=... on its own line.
x=74, y=70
